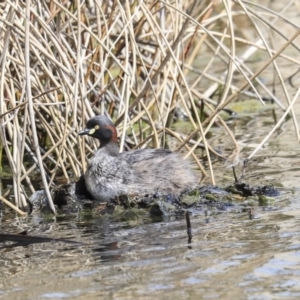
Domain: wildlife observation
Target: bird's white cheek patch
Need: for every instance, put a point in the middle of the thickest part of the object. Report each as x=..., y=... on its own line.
x=92, y=131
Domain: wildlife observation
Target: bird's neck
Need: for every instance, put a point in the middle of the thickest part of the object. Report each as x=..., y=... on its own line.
x=111, y=147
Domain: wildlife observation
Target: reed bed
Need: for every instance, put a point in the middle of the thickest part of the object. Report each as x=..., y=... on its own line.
x=147, y=64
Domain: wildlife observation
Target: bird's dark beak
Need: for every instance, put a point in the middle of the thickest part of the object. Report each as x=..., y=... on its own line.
x=84, y=131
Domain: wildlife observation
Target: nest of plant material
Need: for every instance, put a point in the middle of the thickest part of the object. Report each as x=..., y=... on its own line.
x=73, y=198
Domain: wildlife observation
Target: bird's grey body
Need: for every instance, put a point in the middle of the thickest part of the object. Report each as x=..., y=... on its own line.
x=134, y=173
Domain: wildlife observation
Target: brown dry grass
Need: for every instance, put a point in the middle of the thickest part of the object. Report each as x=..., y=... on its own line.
x=145, y=64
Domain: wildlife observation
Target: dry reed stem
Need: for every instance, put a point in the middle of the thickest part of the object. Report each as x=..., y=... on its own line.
x=16, y=209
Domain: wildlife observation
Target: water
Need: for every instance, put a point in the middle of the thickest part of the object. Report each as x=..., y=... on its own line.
x=229, y=258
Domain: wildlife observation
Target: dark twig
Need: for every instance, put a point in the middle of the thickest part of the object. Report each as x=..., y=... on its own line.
x=234, y=175
x=189, y=227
